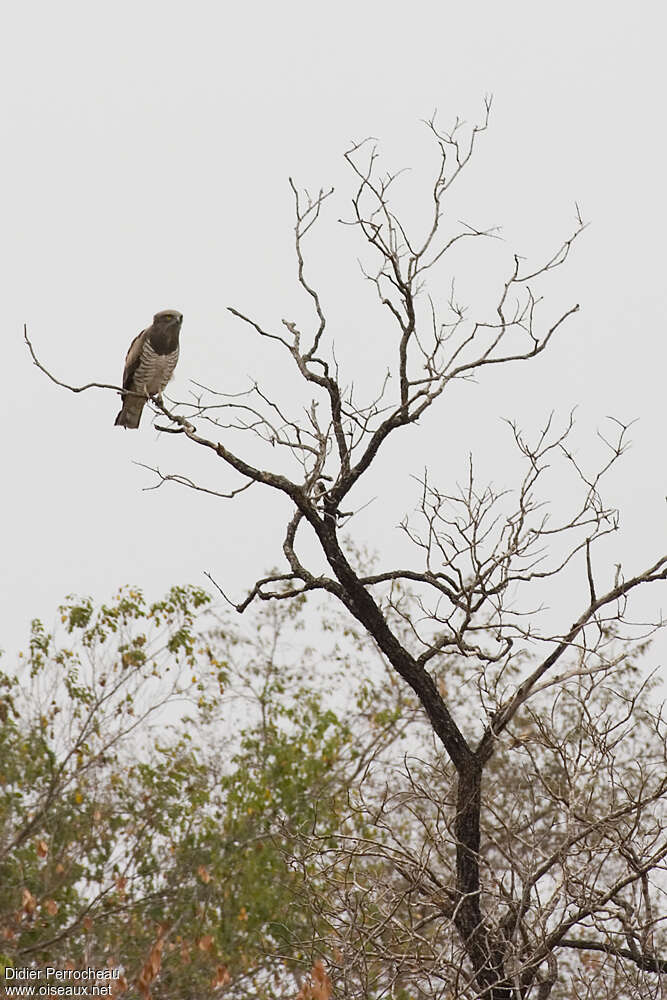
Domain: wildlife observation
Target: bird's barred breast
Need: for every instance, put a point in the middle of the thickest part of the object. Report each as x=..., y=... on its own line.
x=154, y=370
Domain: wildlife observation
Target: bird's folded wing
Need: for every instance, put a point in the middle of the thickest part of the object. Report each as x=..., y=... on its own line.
x=133, y=358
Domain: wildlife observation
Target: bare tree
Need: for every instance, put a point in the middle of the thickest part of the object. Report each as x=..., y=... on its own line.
x=571, y=857
x=481, y=555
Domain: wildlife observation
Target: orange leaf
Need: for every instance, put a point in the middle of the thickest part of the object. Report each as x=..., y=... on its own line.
x=151, y=968
x=206, y=943
x=119, y=985
x=28, y=901
x=318, y=985
x=51, y=907
x=221, y=977
x=204, y=875
x=42, y=848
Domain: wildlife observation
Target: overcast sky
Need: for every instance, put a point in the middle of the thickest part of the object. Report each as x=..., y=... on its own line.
x=146, y=148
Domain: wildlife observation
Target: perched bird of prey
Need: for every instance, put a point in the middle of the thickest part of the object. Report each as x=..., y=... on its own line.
x=149, y=365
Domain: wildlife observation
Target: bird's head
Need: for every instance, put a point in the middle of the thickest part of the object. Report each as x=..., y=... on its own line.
x=168, y=318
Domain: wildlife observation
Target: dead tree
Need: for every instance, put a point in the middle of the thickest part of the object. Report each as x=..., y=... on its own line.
x=480, y=553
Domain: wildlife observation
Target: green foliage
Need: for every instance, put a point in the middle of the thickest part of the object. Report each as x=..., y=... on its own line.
x=154, y=764
x=207, y=807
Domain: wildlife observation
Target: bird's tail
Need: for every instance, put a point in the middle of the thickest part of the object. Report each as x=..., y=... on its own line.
x=131, y=411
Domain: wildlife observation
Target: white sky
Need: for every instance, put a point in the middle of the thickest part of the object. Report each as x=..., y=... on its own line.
x=145, y=153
